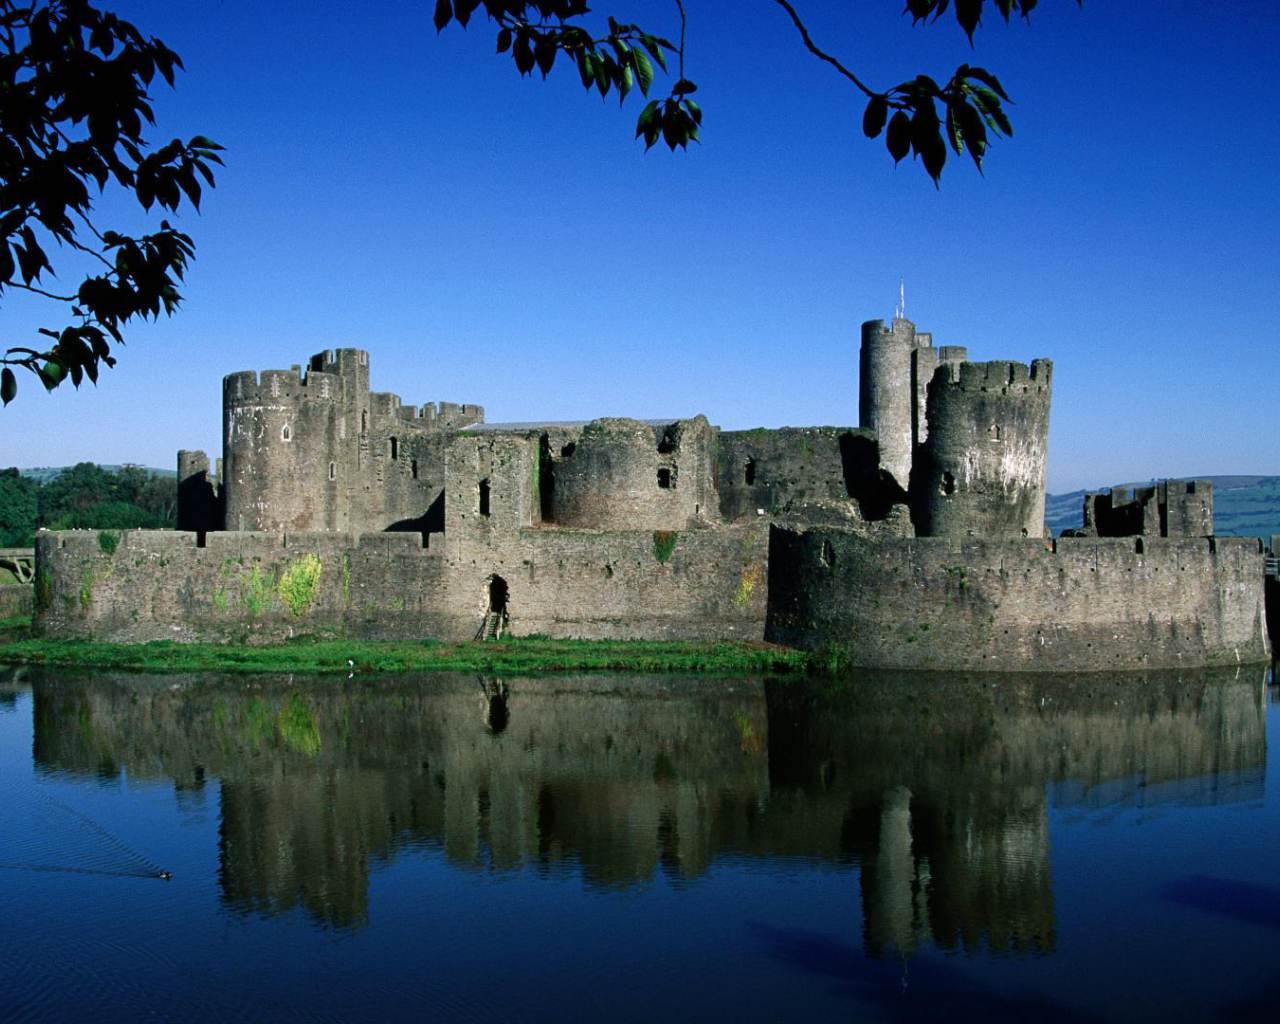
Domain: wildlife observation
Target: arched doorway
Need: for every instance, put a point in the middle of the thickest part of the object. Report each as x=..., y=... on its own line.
x=498, y=595
x=495, y=613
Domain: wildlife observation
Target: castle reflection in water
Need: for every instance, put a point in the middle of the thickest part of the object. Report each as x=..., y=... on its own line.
x=937, y=788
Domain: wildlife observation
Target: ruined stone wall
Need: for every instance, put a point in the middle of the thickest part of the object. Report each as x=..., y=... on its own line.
x=771, y=469
x=322, y=452
x=199, y=499
x=1172, y=508
x=258, y=587
x=144, y=585
x=707, y=582
x=1082, y=605
x=16, y=599
x=624, y=474
x=981, y=470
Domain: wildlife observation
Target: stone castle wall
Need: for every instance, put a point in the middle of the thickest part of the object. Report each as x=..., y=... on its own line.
x=259, y=587
x=1083, y=604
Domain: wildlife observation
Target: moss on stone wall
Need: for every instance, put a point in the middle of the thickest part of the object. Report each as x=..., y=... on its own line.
x=86, y=589
x=664, y=542
x=299, y=584
x=257, y=591
x=44, y=590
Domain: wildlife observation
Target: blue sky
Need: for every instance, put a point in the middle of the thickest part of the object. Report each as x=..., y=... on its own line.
x=504, y=241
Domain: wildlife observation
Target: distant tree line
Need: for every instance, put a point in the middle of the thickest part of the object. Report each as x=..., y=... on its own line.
x=84, y=497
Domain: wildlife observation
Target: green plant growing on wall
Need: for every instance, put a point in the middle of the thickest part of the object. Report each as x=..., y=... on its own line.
x=44, y=589
x=664, y=542
x=108, y=541
x=299, y=584
x=751, y=577
x=220, y=599
x=298, y=727
x=86, y=589
x=257, y=591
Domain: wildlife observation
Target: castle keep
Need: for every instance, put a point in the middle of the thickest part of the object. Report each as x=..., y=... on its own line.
x=915, y=540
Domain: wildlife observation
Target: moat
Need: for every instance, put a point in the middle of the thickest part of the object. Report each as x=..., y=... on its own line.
x=904, y=847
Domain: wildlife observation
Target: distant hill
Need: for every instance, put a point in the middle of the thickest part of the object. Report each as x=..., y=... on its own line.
x=1243, y=506
x=43, y=474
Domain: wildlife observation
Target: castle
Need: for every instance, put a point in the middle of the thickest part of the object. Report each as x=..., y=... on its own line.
x=916, y=540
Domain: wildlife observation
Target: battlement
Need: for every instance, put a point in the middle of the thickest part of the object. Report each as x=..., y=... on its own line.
x=344, y=359
x=253, y=387
x=996, y=373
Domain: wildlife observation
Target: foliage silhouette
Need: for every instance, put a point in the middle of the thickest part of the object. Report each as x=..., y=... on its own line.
x=921, y=116
x=74, y=97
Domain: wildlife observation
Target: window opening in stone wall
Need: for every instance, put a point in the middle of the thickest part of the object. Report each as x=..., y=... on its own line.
x=669, y=439
x=483, y=503
x=568, y=450
x=995, y=432
x=333, y=471
x=364, y=421
x=395, y=448
x=948, y=484
x=413, y=468
x=749, y=472
x=664, y=478
x=285, y=434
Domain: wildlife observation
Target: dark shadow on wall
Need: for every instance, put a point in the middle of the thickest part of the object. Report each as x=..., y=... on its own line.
x=874, y=489
x=431, y=521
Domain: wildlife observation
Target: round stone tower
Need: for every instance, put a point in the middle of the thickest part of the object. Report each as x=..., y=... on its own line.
x=279, y=461
x=982, y=470
x=884, y=392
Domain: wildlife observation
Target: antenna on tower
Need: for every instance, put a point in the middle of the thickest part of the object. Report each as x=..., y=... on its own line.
x=900, y=310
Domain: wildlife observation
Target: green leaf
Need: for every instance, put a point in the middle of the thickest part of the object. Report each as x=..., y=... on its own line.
x=683, y=87
x=648, y=117
x=985, y=76
x=874, y=117
x=953, y=131
x=8, y=385
x=974, y=132
x=644, y=70
x=504, y=39
x=933, y=153
x=695, y=111
x=51, y=374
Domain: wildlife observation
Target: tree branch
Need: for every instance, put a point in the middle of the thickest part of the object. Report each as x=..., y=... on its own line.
x=804, y=34
x=39, y=291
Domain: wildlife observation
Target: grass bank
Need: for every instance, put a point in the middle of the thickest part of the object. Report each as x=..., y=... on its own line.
x=516, y=655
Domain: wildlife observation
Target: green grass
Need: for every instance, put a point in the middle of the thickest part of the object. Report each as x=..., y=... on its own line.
x=516, y=655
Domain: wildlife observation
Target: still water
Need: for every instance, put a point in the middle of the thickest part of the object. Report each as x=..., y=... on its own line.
x=638, y=848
